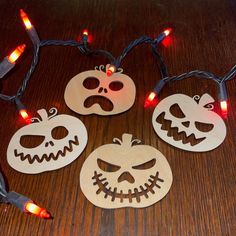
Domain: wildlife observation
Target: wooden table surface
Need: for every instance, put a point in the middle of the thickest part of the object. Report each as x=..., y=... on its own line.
x=202, y=198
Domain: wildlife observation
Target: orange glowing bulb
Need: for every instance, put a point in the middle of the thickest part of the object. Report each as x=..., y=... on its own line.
x=25, y=20
x=16, y=53
x=111, y=70
x=167, y=31
x=223, y=105
x=36, y=210
x=85, y=32
x=151, y=96
x=24, y=114
x=150, y=99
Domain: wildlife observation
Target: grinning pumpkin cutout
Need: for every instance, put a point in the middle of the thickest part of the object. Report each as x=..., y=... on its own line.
x=125, y=174
x=189, y=123
x=94, y=92
x=49, y=143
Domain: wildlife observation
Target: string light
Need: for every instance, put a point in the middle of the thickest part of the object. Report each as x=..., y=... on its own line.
x=25, y=20
x=85, y=32
x=36, y=210
x=153, y=94
x=85, y=36
x=222, y=96
x=167, y=31
x=111, y=70
x=163, y=35
x=114, y=62
x=150, y=99
x=22, y=110
x=224, y=108
x=9, y=62
x=29, y=28
x=21, y=202
x=16, y=53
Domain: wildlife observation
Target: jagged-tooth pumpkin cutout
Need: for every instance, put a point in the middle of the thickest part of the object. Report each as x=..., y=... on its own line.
x=94, y=92
x=125, y=174
x=189, y=123
x=49, y=143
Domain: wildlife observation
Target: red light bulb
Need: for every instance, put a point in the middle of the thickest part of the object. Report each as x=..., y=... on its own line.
x=167, y=31
x=224, y=108
x=25, y=19
x=25, y=116
x=16, y=53
x=85, y=32
x=111, y=69
x=36, y=210
x=150, y=99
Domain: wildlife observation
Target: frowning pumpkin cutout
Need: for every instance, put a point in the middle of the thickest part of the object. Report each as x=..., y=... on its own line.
x=93, y=92
x=125, y=174
x=50, y=142
x=189, y=123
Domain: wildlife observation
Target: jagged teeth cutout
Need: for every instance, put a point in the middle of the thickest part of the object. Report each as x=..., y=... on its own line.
x=50, y=142
x=189, y=123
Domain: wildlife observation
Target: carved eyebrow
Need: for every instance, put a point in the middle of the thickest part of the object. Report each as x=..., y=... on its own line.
x=145, y=165
x=106, y=166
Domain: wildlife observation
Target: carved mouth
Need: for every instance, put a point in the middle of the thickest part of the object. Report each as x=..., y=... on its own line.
x=144, y=190
x=50, y=156
x=104, y=102
x=175, y=134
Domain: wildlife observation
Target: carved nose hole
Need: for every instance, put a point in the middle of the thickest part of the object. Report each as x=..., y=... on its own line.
x=51, y=143
x=126, y=176
x=100, y=89
x=47, y=144
x=186, y=124
x=105, y=90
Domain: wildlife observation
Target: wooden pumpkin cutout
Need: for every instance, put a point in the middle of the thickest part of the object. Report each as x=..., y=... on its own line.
x=39, y=147
x=125, y=174
x=194, y=127
x=94, y=92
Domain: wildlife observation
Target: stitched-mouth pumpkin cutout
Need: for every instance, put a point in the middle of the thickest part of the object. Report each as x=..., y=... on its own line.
x=93, y=92
x=125, y=174
x=50, y=142
x=189, y=123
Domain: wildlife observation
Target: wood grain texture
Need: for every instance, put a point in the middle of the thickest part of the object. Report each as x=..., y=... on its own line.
x=202, y=197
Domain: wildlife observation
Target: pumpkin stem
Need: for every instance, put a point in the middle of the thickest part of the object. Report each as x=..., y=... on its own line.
x=43, y=114
x=127, y=140
x=205, y=99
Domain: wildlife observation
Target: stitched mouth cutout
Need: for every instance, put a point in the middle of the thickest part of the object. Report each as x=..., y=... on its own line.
x=144, y=190
x=48, y=157
x=173, y=132
x=104, y=102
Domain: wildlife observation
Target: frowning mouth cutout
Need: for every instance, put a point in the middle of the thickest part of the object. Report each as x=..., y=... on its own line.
x=94, y=92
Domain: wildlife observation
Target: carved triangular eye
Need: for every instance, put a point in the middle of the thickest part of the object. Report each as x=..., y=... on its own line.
x=145, y=165
x=176, y=111
x=108, y=167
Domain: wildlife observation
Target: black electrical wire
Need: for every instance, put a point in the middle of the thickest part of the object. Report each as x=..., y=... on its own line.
x=82, y=46
x=3, y=192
